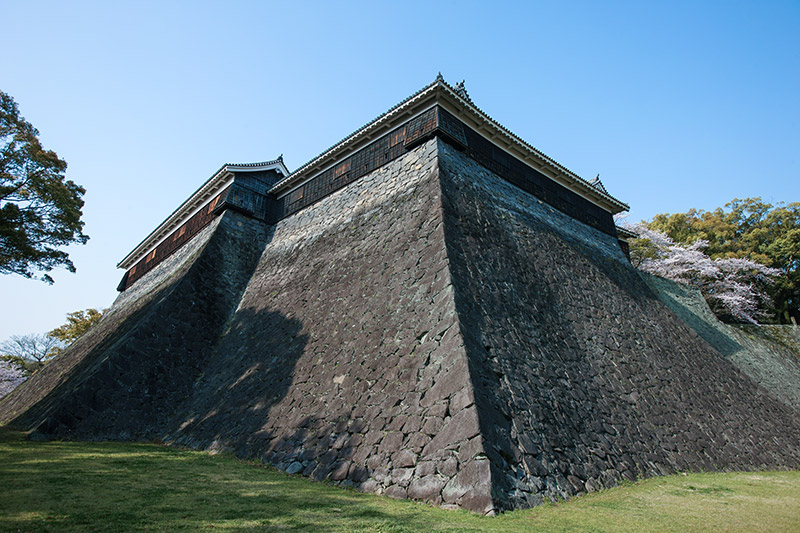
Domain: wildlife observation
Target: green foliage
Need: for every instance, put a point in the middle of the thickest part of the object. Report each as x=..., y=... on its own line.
x=27, y=366
x=752, y=229
x=642, y=249
x=113, y=486
x=31, y=352
x=78, y=322
x=40, y=211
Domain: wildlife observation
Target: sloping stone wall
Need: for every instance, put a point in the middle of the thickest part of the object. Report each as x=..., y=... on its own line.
x=428, y=331
x=138, y=362
x=769, y=355
x=582, y=377
x=37, y=395
x=344, y=360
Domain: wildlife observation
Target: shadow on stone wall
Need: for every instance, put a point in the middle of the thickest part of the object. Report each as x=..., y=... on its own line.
x=582, y=377
x=66, y=391
x=127, y=384
x=529, y=379
x=250, y=372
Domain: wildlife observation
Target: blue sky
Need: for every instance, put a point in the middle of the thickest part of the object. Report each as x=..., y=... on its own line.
x=675, y=104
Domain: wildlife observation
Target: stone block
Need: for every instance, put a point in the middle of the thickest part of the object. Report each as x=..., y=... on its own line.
x=396, y=492
x=461, y=427
x=426, y=488
x=403, y=459
x=445, y=325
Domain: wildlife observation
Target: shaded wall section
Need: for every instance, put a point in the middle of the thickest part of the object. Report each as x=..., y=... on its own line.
x=582, y=376
x=427, y=331
x=125, y=377
x=767, y=354
x=344, y=360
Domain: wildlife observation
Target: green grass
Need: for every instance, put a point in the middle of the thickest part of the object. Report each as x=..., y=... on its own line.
x=79, y=486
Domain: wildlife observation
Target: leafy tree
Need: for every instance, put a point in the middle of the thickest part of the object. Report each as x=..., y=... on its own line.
x=748, y=229
x=30, y=351
x=733, y=287
x=78, y=323
x=11, y=375
x=39, y=210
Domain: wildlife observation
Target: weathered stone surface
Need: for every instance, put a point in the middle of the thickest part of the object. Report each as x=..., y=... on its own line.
x=448, y=468
x=126, y=375
x=391, y=442
x=402, y=476
x=294, y=468
x=578, y=369
x=459, y=428
x=471, y=487
x=427, y=488
x=428, y=331
x=404, y=459
x=399, y=493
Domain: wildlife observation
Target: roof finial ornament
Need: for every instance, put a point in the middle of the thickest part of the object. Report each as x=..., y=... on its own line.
x=597, y=184
x=439, y=77
x=461, y=90
x=280, y=158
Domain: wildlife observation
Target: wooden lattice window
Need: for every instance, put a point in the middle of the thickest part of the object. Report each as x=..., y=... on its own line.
x=341, y=169
x=180, y=233
x=213, y=204
x=296, y=195
x=397, y=137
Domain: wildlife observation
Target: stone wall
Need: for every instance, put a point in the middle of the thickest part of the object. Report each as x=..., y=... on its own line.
x=786, y=336
x=769, y=355
x=126, y=375
x=344, y=360
x=38, y=393
x=428, y=331
x=582, y=377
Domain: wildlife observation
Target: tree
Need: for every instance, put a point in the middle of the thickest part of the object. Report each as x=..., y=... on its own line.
x=30, y=351
x=734, y=288
x=78, y=322
x=10, y=377
x=39, y=210
x=748, y=229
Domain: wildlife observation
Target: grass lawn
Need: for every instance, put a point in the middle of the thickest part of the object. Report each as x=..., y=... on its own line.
x=79, y=486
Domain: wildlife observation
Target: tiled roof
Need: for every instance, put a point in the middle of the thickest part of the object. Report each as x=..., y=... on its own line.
x=463, y=99
x=456, y=96
x=195, y=201
x=597, y=184
x=356, y=132
x=626, y=233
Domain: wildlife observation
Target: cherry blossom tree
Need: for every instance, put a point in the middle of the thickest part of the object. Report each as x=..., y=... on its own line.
x=10, y=377
x=735, y=289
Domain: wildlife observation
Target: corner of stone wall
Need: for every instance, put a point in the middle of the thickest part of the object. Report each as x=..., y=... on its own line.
x=459, y=447
x=581, y=375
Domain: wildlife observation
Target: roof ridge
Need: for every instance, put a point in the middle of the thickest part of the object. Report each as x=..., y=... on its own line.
x=271, y=162
x=439, y=80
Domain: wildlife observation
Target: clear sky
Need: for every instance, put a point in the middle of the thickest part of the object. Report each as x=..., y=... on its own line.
x=675, y=104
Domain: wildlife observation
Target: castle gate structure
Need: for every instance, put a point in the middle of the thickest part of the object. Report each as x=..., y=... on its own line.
x=430, y=309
